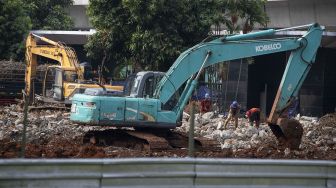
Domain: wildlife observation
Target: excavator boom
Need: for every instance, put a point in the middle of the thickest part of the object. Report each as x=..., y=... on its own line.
x=164, y=109
x=241, y=46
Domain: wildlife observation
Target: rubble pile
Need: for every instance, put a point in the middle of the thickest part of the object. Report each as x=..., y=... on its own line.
x=51, y=134
x=320, y=133
x=244, y=137
x=318, y=142
x=42, y=124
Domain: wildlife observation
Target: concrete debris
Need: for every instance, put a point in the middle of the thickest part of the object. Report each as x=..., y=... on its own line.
x=42, y=125
x=208, y=115
x=309, y=134
x=287, y=151
x=18, y=121
x=186, y=115
x=319, y=134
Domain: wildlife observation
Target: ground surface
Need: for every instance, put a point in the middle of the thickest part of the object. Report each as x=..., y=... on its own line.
x=50, y=134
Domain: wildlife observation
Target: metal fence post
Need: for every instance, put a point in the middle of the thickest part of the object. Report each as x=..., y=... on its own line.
x=25, y=116
x=191, y=131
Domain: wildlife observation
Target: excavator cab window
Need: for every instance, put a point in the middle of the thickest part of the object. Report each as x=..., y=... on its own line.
x=150, y=85
x=136, y=84
x=128, y=84
x=70, y=76
x=58, y=85
x=49, y=81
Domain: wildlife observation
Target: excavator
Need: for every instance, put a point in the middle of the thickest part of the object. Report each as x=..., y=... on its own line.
x=157, y=100
x=69, y=77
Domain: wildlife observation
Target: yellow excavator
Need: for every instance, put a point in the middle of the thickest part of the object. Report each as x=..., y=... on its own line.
x=67, y=78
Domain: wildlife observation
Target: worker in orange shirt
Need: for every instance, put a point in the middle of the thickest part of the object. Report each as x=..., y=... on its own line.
x=254, y=116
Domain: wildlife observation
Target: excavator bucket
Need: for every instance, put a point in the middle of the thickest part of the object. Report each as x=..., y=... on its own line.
x=288, y=132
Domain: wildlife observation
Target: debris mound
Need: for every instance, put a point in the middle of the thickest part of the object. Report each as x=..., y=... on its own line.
x=51, y=134
x=329, y=120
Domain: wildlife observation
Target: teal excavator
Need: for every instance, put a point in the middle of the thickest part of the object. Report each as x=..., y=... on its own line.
x=157, y=100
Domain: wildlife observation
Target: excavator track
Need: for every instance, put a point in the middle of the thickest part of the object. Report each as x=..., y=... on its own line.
x=179, y=139
x=154, y=142
x=151, y=140
x=48, y=107
x=208, y=144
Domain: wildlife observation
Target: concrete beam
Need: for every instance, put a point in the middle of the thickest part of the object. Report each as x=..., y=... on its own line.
x=67, y=37
x=298, y=12
x=81, y=2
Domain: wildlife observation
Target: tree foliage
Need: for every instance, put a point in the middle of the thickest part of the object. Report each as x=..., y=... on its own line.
x=50, y=14
x=150, y=34
x=14, y=24
x=17, y=17
x=164, y=29
x=247, y=12
x=113, y=26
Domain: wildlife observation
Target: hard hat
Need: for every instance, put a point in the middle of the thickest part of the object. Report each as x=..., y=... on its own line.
x=234, y=104
x=207, y=96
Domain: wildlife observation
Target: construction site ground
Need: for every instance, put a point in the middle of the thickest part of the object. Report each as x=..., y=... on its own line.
x=50, y=134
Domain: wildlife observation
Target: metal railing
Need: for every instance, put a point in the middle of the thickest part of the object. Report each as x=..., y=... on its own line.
x=166, y=172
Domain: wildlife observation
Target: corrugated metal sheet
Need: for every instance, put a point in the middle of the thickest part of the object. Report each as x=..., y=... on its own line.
x=166, y=172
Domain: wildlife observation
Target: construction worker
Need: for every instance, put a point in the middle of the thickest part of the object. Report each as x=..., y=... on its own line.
x=254, y=116
x=233, y=114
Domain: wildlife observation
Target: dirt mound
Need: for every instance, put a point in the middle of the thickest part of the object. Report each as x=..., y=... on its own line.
x=328, y=120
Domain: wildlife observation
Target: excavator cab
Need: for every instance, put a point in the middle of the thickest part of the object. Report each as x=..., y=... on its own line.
x=144, y=84
x=53, y=83
x=48, y=82
x=128, y=84
x=87, y=70
x=61, y=81
x=58, y=85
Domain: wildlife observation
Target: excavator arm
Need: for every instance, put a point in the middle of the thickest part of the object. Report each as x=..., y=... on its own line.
x=164, y=110
x=303, y=49
x=303, y=52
